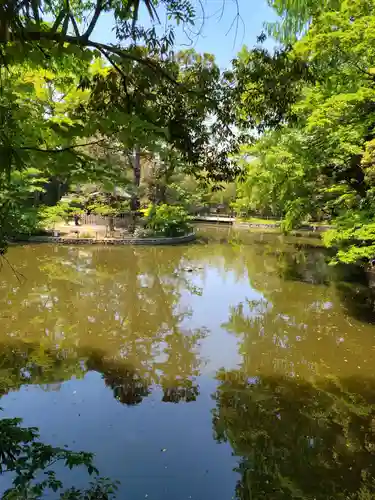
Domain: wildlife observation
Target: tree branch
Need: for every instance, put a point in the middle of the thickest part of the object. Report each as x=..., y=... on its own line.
x=75, y=27
x=123, y=76
x=58, y=21
x=61, y=150
x=72, y=18
x=94, y=20
x=81, y=42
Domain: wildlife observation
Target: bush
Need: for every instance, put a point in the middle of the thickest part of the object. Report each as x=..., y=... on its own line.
x=50, y=216
x=86, y=235
x=167, y=220
x=23, y=222
x=143, y=232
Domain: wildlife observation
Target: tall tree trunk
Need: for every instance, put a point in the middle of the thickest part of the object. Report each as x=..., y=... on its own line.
x=163, y=184
x=135, y=203
x=161, y=194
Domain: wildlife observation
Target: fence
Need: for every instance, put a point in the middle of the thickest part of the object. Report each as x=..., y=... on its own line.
x=122, y=221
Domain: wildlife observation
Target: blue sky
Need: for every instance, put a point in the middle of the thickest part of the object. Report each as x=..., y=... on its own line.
x=218, y=34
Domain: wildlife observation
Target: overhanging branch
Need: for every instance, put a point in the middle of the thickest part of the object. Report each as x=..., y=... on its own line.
x=94, y=20
x=60, y=150
x=61, y=38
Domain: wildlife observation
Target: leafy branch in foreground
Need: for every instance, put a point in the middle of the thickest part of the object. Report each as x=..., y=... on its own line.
x=23, y=454
x=40, y=30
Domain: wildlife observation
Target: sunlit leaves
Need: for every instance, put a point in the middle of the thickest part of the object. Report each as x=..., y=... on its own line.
x=267, y=84
x=328, y=172
x=295, y=15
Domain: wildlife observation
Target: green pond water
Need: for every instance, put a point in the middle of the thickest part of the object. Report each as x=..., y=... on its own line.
x=242, y=366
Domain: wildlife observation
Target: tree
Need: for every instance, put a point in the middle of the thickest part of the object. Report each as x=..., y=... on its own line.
x=296, y=16
x=18, y=215
x=38, y=30
x=319, y=160
x=48, y=38
x=39, y=140
x=160, y=119
x=282, y=178
x=266, y=85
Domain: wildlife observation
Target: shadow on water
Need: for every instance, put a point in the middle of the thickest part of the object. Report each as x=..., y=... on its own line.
x=356, y=289
x=299, y=261
x=298, y=439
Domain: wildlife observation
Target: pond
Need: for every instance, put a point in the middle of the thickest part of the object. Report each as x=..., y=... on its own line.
x=238, y=367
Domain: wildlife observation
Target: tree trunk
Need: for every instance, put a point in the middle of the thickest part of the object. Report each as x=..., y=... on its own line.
x=135, y=203
x=161, y=185
x=161, y=196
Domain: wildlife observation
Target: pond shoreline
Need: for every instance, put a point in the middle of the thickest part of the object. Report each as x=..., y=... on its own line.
x=276, y=225
x=173, y=240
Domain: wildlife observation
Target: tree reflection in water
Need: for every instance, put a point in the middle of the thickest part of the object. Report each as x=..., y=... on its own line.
x=23, y=364
x=123, y=317
x=127, y=385
x=298, y=410
x=298, y=439
x=296, y=414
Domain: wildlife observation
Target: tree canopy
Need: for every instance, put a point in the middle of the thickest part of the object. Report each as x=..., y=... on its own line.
x=316, y=159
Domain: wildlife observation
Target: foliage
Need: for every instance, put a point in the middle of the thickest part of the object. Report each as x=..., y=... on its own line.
x=37, y=140
x=280, y=179
x=50, y=216
x=41, y=31
x=266, y=86
x=23, y=454
x=353, y=236
x=167, y=220
x=296, y=16
x=107, y=210
x=78, y=108
x=197, y=196
x=18, y=216
x=317, y=161
x=160, y=119
x=186, y=191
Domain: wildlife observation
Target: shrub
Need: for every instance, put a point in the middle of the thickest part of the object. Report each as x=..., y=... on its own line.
x=24, y=222
x=86, y=235
x=50, y=216
x=167, y=220
x=143, y=232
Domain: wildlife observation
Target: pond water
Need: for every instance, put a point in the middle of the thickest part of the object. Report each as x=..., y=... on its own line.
x=238, y=367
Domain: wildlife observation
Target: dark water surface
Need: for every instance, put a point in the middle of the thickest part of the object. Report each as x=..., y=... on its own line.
x=241, y=368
